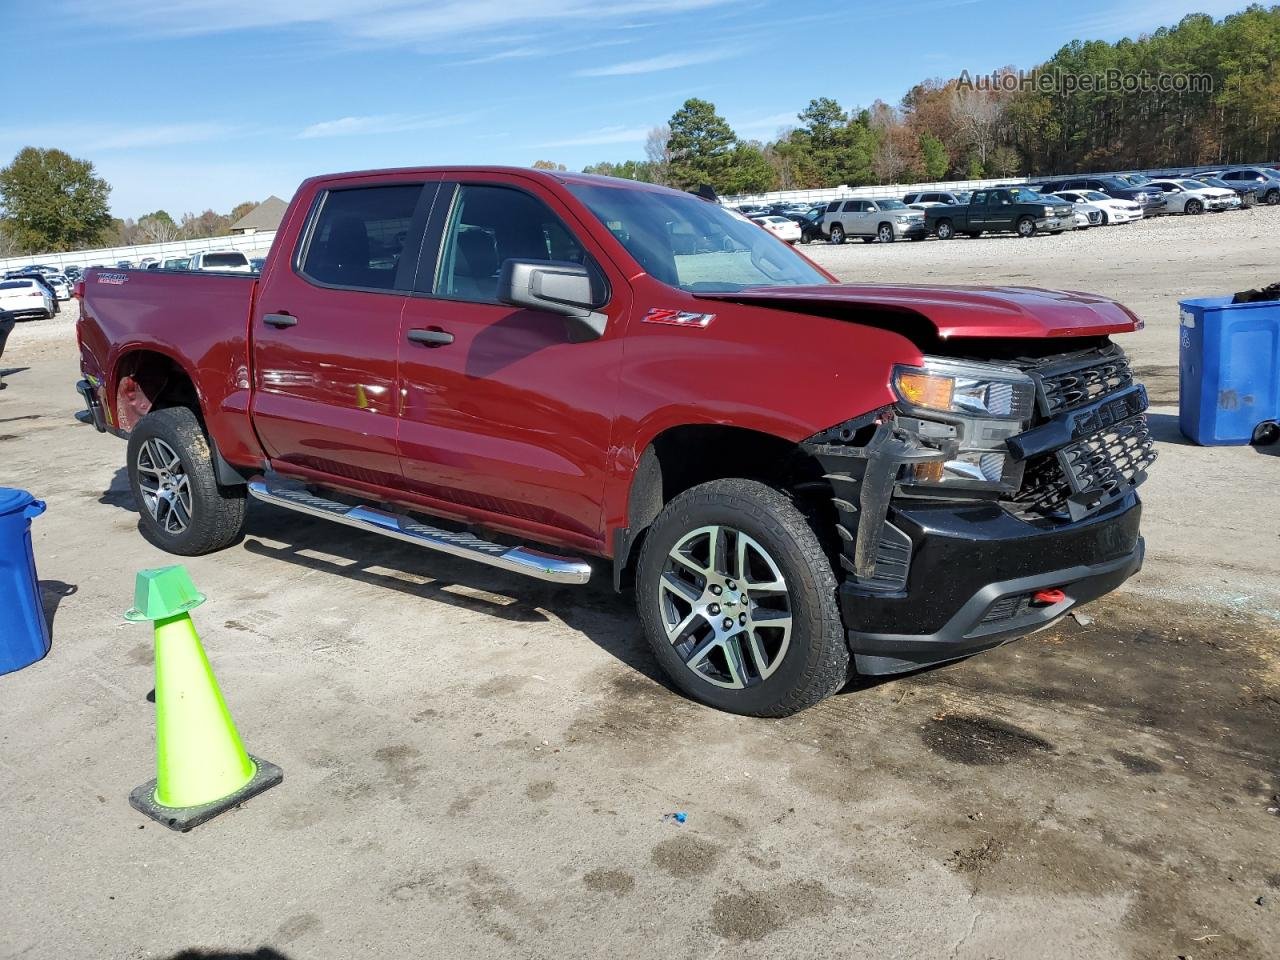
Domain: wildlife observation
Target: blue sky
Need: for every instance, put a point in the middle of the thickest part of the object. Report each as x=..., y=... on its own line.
x=188, y=104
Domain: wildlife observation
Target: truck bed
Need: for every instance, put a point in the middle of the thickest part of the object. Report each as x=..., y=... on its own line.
x=198, y=320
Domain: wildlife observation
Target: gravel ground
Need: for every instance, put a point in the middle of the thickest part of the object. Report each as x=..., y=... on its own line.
x=479, y=765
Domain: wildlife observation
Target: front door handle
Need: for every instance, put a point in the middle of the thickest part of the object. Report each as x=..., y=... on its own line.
x=431, y=338
x=280, y=320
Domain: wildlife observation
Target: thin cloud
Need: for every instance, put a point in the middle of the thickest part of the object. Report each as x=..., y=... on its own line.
x=771, y=122
x=383, y=123
x=666, y=61
x=603, y=136
x=389, y=22
x=125, y=136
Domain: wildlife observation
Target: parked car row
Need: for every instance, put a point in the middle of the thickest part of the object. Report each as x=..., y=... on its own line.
x=212, y=261
x=1050, y=206
x=34, y=292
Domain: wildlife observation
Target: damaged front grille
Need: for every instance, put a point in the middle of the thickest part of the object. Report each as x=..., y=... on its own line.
x=1094, y=469
x=1073, y=383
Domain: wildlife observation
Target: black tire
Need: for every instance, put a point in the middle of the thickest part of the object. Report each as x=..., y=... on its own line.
x=815, y=661
x=1105, y=218
x=837, y=234
x=945, y=230
x=1272, y=197
x=216, y=518
x=885, y=234
x=1026, y=227
x=1193, y=208
x=973, y=234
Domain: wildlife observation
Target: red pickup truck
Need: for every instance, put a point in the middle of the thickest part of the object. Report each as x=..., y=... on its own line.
x=800, y=479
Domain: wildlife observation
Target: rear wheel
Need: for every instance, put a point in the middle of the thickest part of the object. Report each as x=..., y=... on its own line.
x=738, y=600
x=1026, y=227
x=884, y=233
x=183, y=509
x=837, y=234
x=945, y=230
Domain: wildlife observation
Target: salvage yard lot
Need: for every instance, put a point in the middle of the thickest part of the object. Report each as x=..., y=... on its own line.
x=479, y=765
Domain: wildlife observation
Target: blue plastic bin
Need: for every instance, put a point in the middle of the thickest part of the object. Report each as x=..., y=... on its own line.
x=1229, y=369
x=24, y=632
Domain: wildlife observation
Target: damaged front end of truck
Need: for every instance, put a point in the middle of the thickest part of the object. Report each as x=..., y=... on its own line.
x=985, y=503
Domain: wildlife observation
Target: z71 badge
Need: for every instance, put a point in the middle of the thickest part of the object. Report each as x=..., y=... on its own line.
x=678, y=318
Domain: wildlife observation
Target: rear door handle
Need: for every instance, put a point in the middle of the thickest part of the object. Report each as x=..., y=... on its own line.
x=280, y=320
x=431, y=338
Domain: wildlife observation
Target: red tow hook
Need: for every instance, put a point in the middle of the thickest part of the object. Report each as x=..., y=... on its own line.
x=1047, y=598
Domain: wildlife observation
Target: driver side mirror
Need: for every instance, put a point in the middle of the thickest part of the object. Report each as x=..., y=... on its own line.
x=555, y=286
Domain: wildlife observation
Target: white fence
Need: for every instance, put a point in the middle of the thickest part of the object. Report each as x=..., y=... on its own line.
x=827, y=194
x=250, y=243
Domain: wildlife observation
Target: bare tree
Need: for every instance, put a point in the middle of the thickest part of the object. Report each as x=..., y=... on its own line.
x=8, y=245
x=157, y=229
x=977, y=115
x=657, y=148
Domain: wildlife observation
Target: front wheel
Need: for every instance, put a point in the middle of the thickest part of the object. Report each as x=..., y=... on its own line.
x=885, y=233
x=837, y=234
x=738, y=601
x=1194, y=208
x=1273, y=197
x=183, y=509
x=1026, y=227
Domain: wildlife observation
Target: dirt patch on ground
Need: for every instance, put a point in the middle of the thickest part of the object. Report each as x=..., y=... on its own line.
x=981, y=741
x=748, y=915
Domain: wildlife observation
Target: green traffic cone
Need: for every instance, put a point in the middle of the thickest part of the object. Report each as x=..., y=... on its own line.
x=202, y=767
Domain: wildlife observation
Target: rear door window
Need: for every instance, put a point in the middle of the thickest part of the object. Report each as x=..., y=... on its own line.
x=360, y=238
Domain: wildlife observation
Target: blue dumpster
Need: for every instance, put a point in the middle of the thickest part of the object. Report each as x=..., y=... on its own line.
x=24, y=632
x=1229, y=370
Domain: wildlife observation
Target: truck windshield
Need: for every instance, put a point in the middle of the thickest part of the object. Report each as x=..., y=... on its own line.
x=692, y=244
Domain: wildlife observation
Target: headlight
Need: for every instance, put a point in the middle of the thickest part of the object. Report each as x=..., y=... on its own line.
x=957, y=387
x=904, y=219
x=1048, y=211
x=968, y=410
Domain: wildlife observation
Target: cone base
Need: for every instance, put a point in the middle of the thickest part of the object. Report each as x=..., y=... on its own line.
x=182, y=819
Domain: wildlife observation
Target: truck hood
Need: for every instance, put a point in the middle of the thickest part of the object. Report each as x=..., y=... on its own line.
x=989, y=312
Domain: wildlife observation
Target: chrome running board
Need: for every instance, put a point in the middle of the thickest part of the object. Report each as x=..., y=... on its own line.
x=532, y=563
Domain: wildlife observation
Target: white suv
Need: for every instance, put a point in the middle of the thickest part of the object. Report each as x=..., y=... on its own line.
x=220, y=261
x=875, y=219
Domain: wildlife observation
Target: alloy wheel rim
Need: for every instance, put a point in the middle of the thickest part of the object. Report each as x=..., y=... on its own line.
x=725, y=607
x=165, y=486
x=886, y=234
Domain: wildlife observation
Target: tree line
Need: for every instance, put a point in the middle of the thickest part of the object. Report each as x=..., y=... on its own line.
x=50, y=201
x=1033, y=122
